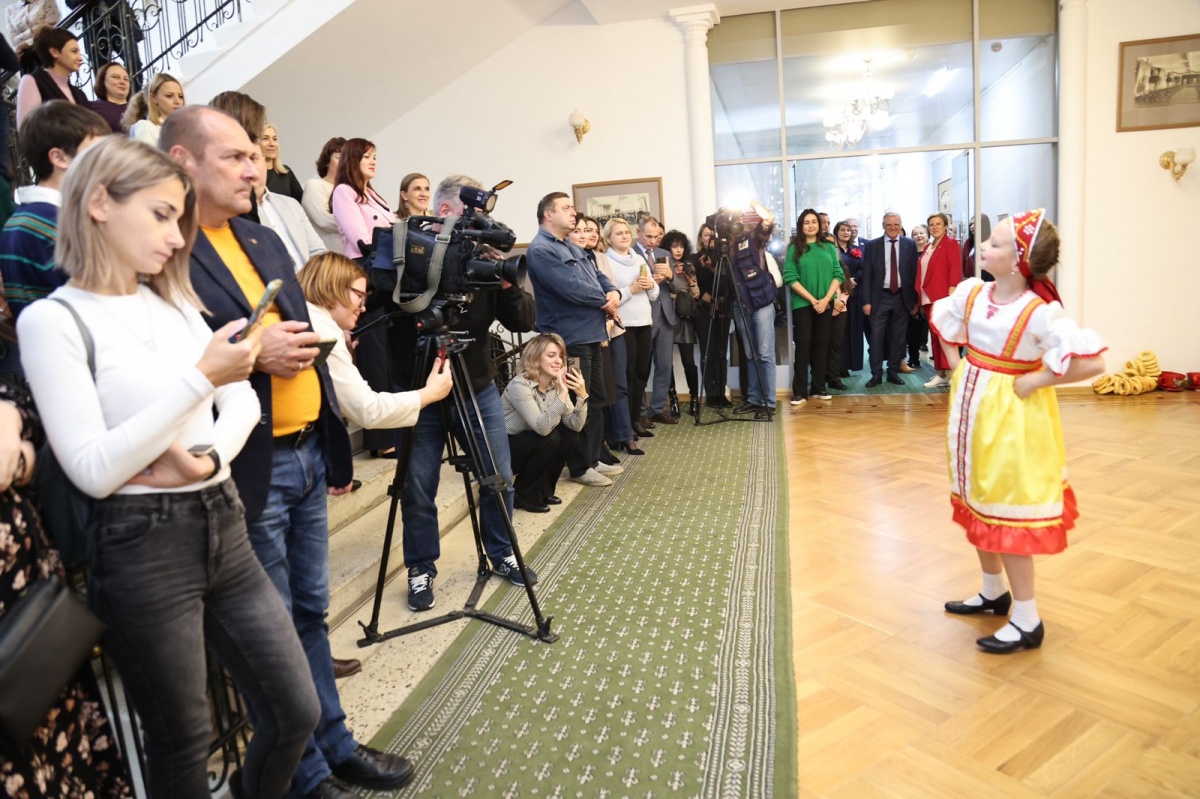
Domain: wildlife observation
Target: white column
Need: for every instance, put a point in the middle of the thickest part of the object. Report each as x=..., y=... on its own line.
x=696, y=21
x=1072, y=151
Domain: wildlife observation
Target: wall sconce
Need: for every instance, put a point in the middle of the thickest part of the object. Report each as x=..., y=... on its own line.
x=580, y=123
x=1176, y=162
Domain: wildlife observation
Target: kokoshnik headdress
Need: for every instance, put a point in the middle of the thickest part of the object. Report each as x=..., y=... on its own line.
x=1026, y=226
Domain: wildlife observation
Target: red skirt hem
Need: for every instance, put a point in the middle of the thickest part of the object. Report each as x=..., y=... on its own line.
x=1015, y=539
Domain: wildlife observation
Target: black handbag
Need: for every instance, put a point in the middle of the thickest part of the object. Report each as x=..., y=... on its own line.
x=685, y=305
x=66, y=511
x=44, y=637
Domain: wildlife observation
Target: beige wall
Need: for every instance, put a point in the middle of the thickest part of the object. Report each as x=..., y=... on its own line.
x=1141, y=259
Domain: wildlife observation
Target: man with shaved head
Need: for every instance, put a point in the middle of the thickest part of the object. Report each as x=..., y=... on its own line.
x=300, y=445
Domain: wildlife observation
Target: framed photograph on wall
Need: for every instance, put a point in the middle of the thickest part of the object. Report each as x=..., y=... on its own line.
x=627, y=199
x=1158, y=85
x=945, y=196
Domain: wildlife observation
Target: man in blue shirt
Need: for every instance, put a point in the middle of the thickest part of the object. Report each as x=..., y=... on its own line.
x=574, y=300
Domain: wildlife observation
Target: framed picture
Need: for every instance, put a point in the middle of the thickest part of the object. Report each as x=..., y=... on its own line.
x=945, y=196
x=1158, y=85
x=628, y=199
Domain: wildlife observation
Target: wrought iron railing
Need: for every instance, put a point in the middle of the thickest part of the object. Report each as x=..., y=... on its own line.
x=146, y=36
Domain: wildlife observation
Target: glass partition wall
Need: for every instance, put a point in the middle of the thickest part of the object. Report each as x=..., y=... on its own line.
x=904, y=105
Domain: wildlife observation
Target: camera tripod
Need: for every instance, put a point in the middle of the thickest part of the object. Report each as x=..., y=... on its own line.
x=492, y=487
x=723, y=270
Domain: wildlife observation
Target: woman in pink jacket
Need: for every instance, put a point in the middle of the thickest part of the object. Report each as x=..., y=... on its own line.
x=358, y=210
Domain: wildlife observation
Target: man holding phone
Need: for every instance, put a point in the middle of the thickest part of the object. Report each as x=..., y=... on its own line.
x=299, y=445
x=662, y=348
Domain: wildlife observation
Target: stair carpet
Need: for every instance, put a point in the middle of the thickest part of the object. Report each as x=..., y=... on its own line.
x=358, y=524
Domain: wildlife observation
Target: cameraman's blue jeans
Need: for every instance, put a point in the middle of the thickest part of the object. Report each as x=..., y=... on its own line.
x=291, y=540
x=757, y=331
x=418, y=503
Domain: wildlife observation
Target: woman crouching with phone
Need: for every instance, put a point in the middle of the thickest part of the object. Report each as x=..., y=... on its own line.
x=542, y=421
x=336, y=290
x=171, y=569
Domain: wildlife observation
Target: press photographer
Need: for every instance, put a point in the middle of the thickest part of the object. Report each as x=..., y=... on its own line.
x=505, y=302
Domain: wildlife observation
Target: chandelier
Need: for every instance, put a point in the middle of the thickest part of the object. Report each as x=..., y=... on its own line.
x=865, y=110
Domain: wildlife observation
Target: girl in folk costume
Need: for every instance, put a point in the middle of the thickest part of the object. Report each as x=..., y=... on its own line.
x=1008, y=484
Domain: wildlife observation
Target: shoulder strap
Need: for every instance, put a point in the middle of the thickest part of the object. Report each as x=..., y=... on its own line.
x=1014, y=337
x=970, y=305
x=88, y=345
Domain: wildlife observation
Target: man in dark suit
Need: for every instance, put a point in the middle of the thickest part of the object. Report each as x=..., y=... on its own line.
x=300, y=445
x=890, y=286
x=664, y=319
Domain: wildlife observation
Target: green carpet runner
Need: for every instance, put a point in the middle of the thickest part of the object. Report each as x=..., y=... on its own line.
x=672, y=676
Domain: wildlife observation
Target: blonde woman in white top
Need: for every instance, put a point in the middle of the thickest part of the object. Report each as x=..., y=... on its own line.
x=149, y=108
x=172, y=571
x=631, y=276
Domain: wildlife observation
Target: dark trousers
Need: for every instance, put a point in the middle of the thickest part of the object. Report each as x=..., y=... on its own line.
x=538, y=460
x=918, y=334
x=889, y=322
x=638, y=341
x=837, y=337
x=687, y=356
x=374, y=360
x=713, y=335
x=810, y=337
x=171, y=573
x=591, y=364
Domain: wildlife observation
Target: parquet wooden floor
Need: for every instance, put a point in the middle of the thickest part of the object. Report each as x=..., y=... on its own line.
x=893, y=697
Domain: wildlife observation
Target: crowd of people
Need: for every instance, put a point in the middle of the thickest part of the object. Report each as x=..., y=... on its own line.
x=210, y=445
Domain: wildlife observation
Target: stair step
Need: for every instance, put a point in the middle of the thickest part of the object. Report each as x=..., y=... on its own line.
x=358, y=526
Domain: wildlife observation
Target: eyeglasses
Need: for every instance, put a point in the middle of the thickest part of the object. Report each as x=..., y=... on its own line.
x=361, y=296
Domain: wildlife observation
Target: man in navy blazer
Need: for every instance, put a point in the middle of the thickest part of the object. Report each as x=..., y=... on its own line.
x=300, y=444
x=888, y=260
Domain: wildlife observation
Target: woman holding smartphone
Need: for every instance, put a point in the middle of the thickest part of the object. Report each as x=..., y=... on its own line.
x=172, y=571
x=336, y=289
x=542, y=420
x=631, y=276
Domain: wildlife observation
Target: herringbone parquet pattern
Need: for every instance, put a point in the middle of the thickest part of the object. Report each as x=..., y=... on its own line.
x=893, y=698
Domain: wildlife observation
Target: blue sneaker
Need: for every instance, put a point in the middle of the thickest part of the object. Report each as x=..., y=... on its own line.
x=420, y=590
x=508, y=568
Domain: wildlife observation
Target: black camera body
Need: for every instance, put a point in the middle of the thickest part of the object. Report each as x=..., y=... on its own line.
x=431, y=266
x=726, y=224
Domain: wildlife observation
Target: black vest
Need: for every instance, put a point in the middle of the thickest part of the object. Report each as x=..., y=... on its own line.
x=50, y=89
x=758, y=287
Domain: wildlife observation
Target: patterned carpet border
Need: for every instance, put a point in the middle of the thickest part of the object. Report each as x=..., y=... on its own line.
x=751, y=749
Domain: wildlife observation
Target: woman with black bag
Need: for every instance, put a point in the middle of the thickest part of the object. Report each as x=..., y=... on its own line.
x=127, y=376
x=676, y=243
x=73, y=752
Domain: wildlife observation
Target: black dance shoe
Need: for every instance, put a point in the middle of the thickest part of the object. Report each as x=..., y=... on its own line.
x=1030, y=640
x=998, y=606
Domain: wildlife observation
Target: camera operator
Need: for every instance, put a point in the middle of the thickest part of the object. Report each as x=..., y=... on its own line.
x=574, y=301
x=758, y=281
x=514, y=309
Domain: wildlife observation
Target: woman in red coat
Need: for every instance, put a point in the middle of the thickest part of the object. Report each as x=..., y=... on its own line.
x=939, y=271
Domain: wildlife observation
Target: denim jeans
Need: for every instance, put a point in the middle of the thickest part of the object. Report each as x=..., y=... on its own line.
x=291, y=540
x=591, y=439
x=171, y=572
x=757, y=332
x=418, y=505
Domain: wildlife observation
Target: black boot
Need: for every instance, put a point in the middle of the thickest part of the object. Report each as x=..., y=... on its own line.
x=673, y=402
x=694, y=407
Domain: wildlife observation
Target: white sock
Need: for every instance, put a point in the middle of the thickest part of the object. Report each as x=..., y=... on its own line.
x=993, y=587
x=1024, y=616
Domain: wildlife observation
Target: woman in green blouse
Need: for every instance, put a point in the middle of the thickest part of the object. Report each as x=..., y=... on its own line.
x=812, y=273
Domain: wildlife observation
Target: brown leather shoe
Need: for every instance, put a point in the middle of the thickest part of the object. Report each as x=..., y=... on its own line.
x=344, y=668
x=647, y=422
x=906, y=369
x=664, y=418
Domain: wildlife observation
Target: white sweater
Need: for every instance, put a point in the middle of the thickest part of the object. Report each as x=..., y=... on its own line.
x=147, y=393
x=361, y=404
x=635, y=306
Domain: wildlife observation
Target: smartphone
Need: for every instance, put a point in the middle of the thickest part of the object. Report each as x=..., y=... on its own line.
x=573, y=364
x=268, y=297
x=325, y=346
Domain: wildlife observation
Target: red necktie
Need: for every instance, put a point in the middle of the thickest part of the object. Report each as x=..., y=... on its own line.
x=895, y=273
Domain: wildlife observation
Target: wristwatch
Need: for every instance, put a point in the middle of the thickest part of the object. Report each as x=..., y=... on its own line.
x=200, y=450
